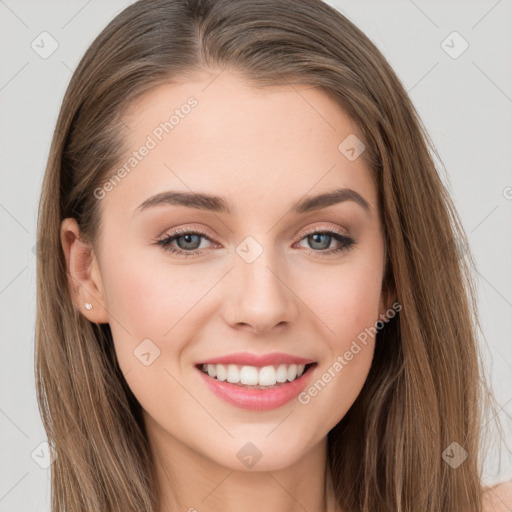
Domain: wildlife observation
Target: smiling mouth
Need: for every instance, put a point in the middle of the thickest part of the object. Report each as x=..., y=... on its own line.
x=255, y=377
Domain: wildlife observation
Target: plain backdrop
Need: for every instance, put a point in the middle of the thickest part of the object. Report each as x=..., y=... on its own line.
x=464, y=96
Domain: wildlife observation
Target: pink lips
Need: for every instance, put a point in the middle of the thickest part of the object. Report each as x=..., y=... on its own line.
x=257, y=399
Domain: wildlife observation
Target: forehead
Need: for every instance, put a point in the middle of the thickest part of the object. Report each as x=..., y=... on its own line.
x=229, y=101
x=217, y=134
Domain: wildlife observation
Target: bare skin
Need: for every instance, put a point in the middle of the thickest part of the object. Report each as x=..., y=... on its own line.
x=263, y=150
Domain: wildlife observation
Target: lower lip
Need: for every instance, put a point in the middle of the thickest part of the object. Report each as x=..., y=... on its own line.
x=257, y=399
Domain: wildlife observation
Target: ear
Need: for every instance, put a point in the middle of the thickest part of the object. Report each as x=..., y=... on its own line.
x=83, y=273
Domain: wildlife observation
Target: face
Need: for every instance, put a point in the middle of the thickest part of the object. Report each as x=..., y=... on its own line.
x=262, y=276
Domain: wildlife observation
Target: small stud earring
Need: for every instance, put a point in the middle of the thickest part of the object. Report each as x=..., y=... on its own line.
x=88, y=306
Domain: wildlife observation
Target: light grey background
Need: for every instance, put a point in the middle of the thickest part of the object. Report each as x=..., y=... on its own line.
x=465, y=103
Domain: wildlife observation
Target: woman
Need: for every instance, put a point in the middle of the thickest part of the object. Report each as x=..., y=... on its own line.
x=253, y=296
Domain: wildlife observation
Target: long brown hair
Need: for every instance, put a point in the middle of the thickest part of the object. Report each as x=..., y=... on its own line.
x=425, y=387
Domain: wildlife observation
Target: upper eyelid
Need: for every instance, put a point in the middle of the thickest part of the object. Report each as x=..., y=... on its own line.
x=185, y=231
x=323, y=230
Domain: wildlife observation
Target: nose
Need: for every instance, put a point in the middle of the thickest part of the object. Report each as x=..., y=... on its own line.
x=259, y=297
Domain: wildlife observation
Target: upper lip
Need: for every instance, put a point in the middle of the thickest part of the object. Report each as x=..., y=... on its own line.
x=246, y=358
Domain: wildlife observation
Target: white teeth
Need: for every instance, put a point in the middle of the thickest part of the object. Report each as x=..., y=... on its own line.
x=233, y=374
x=249, y=375
x=292, y=372
x=267, y=376
x=221, y=371
x=282, y=373
x=253, y=375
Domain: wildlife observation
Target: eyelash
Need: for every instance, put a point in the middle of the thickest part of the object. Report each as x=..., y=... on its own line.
x=346, y=242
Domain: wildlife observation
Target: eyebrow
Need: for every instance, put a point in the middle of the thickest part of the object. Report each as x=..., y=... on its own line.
x=219, y=204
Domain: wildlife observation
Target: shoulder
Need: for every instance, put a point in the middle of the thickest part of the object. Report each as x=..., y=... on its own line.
x=498, y=498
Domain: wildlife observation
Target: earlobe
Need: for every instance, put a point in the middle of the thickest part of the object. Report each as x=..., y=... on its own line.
x=84, y=277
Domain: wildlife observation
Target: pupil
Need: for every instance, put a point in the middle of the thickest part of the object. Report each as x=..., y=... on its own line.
x=316, y=236
x=187, y=241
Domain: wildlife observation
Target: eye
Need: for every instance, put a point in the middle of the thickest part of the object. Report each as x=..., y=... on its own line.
x=321, y=239
x=189, y=242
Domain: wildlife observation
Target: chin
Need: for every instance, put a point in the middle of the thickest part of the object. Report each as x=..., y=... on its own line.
x=261, y=452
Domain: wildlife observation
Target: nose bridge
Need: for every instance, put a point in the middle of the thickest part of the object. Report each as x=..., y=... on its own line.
x=261, y=298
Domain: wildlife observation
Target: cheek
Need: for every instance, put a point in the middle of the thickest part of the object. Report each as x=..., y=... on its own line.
x=352, y=317
x=147, y=300
x=344, y=293
x=149, y=315
x=345, y=299
x=155, y=303
x=355, y=322
x=346, y=302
